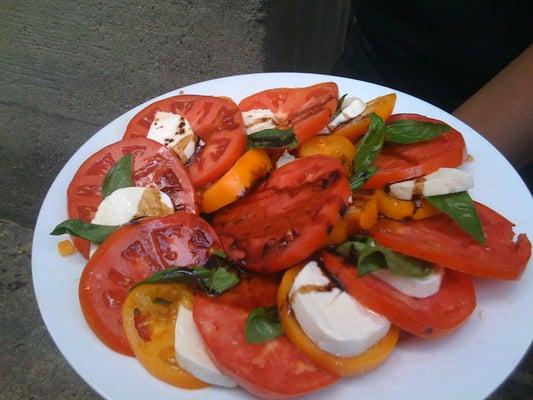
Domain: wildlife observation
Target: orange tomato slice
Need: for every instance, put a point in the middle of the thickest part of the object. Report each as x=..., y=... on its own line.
x=342, y=366
x=357, y=127
x=332, y=146
x=252, y=165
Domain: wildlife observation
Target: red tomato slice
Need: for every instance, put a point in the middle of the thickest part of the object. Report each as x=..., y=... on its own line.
x=287, y=218
x=432, y=317
x=399, y=162
x=307, y=110
x=274, y=369
x=131, y=254
x=440, y=240
x=216, y=120
x=153, y=165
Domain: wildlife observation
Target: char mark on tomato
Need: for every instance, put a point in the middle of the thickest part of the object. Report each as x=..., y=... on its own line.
x=399, y=162
x=273, y=369
x=430, y=317
x=440, y=240
x=285, y=219
x=130, y=255
x=217, y=121
x=153, y=165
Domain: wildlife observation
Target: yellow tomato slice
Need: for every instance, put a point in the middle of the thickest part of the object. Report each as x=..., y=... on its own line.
x=392, y=207
x=425, y=210
x=382, y=106
x=361, y=215
x=342, y=366
x=399, y=209
x=252, y=165
x=149, y=318
x=332, y=146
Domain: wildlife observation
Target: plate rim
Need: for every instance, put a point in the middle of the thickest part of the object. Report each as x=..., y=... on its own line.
x=271, y=76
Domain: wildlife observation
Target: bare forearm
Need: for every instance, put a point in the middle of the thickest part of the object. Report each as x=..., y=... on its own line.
x=502, y=110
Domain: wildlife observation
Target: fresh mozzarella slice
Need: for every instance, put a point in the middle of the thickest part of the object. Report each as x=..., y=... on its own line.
x=191, y=353
x=414, y=287
x=332, y=318
x=175, y=132
x=258, y=120
x=125, y=204
x=442, y=181
x=285, y=159
x=351, y=108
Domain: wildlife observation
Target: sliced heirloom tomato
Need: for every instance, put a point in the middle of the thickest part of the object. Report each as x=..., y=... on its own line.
x=273, y=369
x=131, y=254
x=342, y=366
x=287, y=217
x=440, y=240
x=399, y=162
x=307, y=110
x=431, y=317
x=153, y=165
x=215, y=120
x=149, y=317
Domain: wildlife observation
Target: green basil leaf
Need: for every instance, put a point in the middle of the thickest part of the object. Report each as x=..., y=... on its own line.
x=273, y=139
x=92, y=232
x=263, y=325
x=213, y=281
x=221, y=280
x=359, y=179
x=119, y=176
x=460, y=207
x=370, y=145
x=218, y=253
x=185, y=275
x=410, y=131
x=371, y=257
x=339, y=107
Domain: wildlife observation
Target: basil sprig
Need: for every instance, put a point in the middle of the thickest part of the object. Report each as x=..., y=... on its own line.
x=370, y=257
x=460, y=207
x=92, y=232
x=119, y=176
x=273, y=139
x=215, y=277
x=409, y=131
x=263, y=325
x=368, y=150
x=339, y=106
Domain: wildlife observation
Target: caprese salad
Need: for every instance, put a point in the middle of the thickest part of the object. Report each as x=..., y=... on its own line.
x=282, y=243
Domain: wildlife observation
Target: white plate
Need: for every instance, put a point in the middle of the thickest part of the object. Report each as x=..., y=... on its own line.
x=471, y=363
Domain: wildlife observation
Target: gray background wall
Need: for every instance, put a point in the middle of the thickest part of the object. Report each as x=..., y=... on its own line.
x=69, y=67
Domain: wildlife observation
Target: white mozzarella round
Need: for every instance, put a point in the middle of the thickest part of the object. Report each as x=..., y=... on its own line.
x=414, y=287
x=191, y=353
x=285, y=159
x=123, y=205
x=258, y=120
x=442, y=181
x=175, y=132
x=351, y=107
x=333, y=319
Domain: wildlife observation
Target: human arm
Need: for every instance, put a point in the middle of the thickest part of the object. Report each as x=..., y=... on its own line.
x=502, y=110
